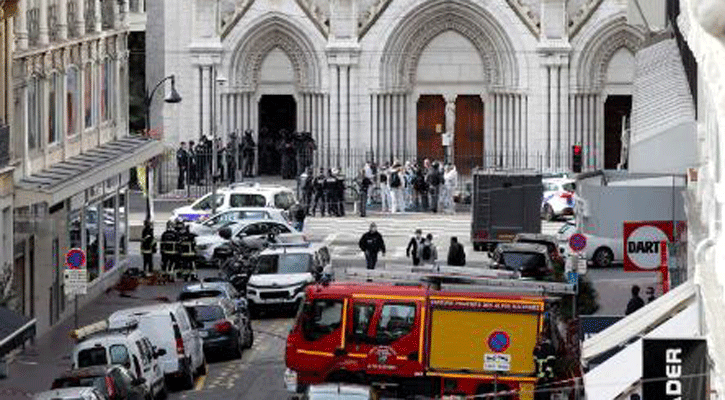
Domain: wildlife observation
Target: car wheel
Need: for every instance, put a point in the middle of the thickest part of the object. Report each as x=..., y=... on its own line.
x=549, y=213
x=603, y=257
x=203, y=368
x=250, y=336
x=187, y=381
x=163, y=392
x=237, y=352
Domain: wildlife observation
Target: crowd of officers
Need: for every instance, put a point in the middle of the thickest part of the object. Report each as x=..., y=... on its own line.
x=177, y=247
x=325, y=191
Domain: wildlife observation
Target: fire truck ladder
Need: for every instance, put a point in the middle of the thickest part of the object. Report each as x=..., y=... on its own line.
x=473, y=279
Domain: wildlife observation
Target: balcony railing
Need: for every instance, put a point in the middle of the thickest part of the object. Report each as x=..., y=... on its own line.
x=4, y=145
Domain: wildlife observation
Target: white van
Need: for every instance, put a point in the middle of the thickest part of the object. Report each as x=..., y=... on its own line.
x=126, y=346
x=168, y=326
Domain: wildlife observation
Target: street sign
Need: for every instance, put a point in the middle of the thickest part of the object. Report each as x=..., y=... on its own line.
x=642, y=241
x=572, y=277
x=499, y=341
x=497, y=362
x=75, y=259
x=75, y=281
x=577, y=242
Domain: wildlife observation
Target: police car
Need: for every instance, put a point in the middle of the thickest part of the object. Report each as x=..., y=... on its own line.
x=558, y=198
x=235, y=196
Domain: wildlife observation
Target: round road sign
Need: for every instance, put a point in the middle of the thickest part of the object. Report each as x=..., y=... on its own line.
x=577, y=242
x=499, y=341
x=643, y=247
x=75, y=259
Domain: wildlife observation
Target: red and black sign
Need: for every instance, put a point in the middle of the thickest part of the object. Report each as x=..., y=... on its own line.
x=674, y=369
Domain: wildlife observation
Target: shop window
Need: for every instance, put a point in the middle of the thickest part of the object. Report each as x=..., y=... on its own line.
x=396, y=321
x=111, y=230
x=321, y=317
x=93, y=237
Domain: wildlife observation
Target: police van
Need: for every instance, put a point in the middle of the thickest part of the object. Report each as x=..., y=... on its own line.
x=238, y=195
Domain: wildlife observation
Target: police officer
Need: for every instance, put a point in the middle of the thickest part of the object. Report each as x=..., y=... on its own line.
x=187, y=253
x=307, y=189
x=248, y=153
x=318, y=187
x=340, y=193
x=182, y=165
x=148, y=246
x=169, y=252
x=329, y=189
x=544, y=358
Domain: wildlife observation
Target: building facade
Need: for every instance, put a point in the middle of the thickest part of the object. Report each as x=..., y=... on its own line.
x=516, y=82
x=70, y=91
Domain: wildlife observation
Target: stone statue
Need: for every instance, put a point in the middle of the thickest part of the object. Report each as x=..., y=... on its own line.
x=450, y=116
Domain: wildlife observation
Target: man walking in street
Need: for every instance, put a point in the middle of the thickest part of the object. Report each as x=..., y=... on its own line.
x=414, y=246
x=428, y=251
x=148, y=246
x=433, y=179
x=635, y=303
x=456, y=255
x=371, y=243
x=182, y=163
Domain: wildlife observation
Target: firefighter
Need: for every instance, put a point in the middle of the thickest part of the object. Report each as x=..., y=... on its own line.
x=148, y=246
x=329, y=189
x=169, y=255
x=187, y=254
x=318, y=186
x=544, y=358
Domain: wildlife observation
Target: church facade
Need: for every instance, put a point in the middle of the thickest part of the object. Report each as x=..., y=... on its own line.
x=506, y=83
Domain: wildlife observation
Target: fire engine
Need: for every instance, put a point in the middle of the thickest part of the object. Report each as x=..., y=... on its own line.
x=431, y=338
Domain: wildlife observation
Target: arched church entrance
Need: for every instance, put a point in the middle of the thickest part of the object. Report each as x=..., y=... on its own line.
x=468, y=138
x=277, y=113
x=431, y=120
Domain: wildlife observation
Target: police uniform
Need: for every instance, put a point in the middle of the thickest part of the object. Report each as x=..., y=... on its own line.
x=340, y=194
x=148, y=248
x=330, y=194
x=169, y=251
x=318, y=186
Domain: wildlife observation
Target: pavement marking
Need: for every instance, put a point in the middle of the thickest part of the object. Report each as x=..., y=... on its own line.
x=200, y=383
x=329, y=239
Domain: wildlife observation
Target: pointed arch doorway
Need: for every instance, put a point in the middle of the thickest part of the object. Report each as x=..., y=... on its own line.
x=276, y=113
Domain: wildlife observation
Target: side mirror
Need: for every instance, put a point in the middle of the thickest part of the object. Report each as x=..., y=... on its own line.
x=225, y=233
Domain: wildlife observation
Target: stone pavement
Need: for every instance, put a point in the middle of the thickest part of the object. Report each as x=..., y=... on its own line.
x=34, y=369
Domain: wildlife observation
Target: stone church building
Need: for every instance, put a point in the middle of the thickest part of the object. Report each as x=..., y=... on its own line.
x=516, y=82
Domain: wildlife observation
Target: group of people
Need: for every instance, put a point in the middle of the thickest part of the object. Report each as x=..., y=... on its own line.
x=421, y=249
x=325, y=191
x=178, y=249
x=293, y=150
x=410, y=187
x=194, y=162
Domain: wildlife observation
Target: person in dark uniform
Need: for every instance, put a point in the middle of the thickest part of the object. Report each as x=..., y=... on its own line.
x=192, y=168
x=635, y=303
x=307, y=189
x=340, y=193
x=371, y=243
x=329, y=193
x=365, y=183
x=231, y=158
x=200, y=153
x=148, y=246
x=248, y=146
x=182, y=163
x=219, y=160
x=169, y=241
x=318, y=186
x=187, y=253
x=544, y=357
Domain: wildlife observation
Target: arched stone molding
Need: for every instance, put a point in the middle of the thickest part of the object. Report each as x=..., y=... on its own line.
x=408, y=40
x=274, y=31
x=599, y=50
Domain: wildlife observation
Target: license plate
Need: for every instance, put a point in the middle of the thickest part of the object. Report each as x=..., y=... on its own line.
x=203, y=334
x=290, y=380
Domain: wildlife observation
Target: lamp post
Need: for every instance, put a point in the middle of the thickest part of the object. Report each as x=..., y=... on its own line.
x=172, y=98
x=220, y=80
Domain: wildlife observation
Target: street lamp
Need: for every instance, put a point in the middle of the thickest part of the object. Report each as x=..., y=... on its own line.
x=220, y=80
x=172, y=98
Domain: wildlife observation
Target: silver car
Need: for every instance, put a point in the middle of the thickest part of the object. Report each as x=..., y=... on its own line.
x=234, y=215
x=79, y=393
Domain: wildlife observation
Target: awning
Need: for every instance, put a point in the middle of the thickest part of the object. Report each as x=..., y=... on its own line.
x=64, y=179
x=15, y=330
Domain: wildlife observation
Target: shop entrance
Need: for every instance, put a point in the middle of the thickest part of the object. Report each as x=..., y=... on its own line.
x=276, y=112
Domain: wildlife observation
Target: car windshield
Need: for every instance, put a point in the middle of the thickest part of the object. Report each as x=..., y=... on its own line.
x=284, y=264
x=551, y=247
x=569, y=187
x=92, y=356
x=247, y=200
x=201, y=294
x=206, y=313
x=97, y=382
x=522, y=261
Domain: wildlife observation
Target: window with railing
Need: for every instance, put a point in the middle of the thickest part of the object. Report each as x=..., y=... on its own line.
x=108, y=16
x=90, y=15
x=33, y=20
x=72, y=19
x=53, y=21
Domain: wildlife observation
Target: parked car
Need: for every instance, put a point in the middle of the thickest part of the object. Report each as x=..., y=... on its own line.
x=253, y=233
x=81, y=393
x=205, y=226
x=169, y=328
x=558, y=198
x=530, y=260
x=551, y=243
x=223, y=326
x=283, y=271
x=123, y=345
x=114, y=381
x=216, y=289
x=238, y=195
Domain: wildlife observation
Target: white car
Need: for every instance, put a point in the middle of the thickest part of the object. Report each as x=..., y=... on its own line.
x=235, y=196
x=251, y=232
x=205, y=226
x=77, y=393
x=563, y=235
x=558, y=198
x=168, y=327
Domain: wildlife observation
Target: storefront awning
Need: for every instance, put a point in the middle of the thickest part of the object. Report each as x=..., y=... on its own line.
x=64, y=179
x=14, y=330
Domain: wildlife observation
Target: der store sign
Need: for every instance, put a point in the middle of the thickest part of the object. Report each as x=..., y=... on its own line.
x=643, y=244
x=674, y=369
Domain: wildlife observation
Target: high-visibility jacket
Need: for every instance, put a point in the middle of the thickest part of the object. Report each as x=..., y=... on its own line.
x=169, y=240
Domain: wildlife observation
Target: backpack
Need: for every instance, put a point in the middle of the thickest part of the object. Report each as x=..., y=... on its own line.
x=395, y=180
x=426, y=252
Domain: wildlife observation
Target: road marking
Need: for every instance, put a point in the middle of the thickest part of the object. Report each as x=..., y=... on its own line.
x=329, y=239
x=200, y=383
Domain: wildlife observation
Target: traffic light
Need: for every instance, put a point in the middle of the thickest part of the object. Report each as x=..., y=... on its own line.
x=576, y=158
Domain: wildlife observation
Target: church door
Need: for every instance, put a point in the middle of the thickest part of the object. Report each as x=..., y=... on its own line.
x=468, y=140
x=431, y=122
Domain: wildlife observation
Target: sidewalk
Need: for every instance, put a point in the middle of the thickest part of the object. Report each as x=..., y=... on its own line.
x=34, y=369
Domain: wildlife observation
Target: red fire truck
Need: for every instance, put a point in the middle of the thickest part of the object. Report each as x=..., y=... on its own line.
x=424, y=340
